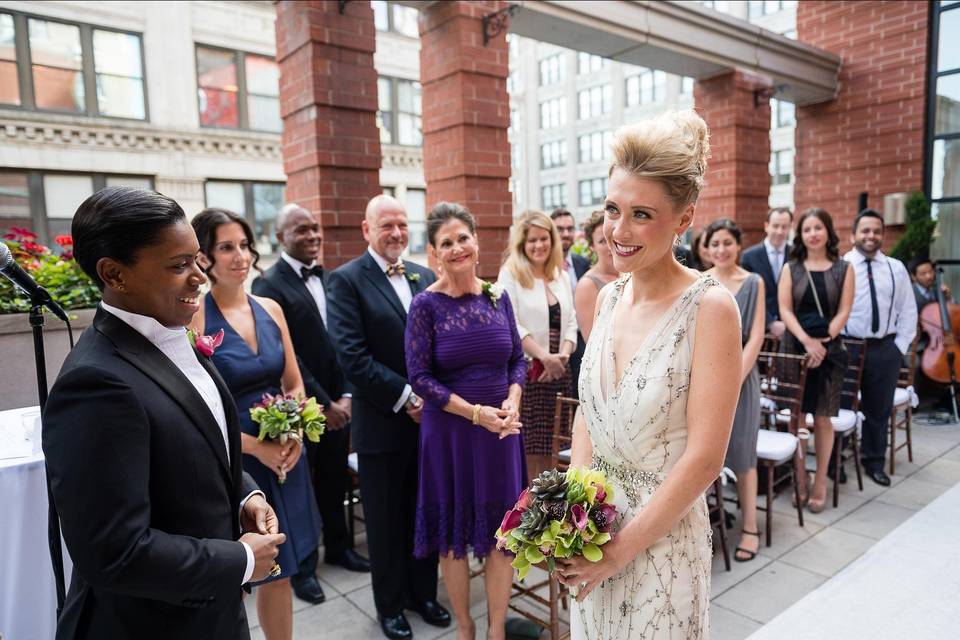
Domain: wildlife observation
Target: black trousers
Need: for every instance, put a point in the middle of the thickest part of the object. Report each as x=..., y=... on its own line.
x=388, y=484
x=881, y=368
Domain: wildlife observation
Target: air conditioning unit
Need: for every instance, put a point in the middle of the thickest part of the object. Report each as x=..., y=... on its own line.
x=894, y=211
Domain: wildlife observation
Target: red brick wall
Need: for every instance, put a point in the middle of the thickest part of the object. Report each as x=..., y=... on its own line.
x=738, y=177
x=871, y=137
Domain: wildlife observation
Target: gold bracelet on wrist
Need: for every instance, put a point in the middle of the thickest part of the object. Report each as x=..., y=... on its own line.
x=476, y=413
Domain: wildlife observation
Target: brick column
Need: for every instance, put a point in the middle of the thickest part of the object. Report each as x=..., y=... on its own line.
x=738, y=174
x=466, y=112
x=328, y=100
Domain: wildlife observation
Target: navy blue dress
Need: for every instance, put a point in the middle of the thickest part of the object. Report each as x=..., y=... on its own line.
x=249, y=375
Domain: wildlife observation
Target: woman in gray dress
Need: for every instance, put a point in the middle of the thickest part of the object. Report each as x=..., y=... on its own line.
x=722, y=240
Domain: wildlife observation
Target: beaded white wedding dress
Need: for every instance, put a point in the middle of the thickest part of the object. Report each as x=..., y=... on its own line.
x=638, y=431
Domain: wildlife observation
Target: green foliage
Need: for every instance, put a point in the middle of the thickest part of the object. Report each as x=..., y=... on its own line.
x=58, y=274
x=581, y=248
x=918, y=237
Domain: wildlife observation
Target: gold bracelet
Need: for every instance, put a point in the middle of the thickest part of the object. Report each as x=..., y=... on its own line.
x=476, y=413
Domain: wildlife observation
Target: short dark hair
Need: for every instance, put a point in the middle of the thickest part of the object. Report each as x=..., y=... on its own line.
x=722, y=224
x=867, y=213
x=591, y=224
x=560, y=212
x=444, y=212
x=916, y=262
x=774, y=210
x=117, y=222
x=205, y=225
x=799, y=252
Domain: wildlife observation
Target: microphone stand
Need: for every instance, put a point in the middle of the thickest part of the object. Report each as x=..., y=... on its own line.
x=53, y=519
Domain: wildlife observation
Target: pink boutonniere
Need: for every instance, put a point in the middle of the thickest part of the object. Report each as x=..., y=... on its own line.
x=206, y=345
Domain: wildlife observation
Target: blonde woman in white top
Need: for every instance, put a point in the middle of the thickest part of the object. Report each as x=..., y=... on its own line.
x=542, y=298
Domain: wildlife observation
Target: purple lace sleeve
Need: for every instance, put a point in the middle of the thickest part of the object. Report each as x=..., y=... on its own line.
x=517, y=367
x=418, y=341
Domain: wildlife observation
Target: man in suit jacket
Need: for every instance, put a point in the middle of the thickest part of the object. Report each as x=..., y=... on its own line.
x=767, y=260
x=142, y=445
x=368, y=299
x=575, y=266
x=297, y=282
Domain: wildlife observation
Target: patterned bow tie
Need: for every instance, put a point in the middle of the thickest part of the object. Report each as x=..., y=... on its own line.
x=396, y=270
x=315, y=270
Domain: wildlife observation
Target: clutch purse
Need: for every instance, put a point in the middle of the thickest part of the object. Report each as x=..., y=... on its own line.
x=534, y=370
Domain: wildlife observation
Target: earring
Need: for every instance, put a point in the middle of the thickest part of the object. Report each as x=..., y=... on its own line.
x=120, y=287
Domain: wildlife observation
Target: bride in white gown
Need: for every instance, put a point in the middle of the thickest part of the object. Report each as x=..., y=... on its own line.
x=658, y=389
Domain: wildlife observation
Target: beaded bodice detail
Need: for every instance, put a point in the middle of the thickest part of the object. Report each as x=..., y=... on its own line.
x=638, y=431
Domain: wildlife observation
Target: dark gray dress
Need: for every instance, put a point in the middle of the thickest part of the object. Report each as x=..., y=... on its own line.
x=742, y=450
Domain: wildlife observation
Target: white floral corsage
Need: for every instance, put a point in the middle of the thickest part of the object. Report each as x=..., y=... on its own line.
x=492, y=291
x=413, y=276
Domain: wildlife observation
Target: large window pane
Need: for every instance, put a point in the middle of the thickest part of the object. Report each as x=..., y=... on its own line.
x=226, y=195
x=120, y=97
x=947, y=215
x=117, y=54
x=57, y=65
x=408, y=96
x=948, y=54
x=267, y=201
x=218, y=108
x=136, y=182
x=948, y=105
x=264, y=113
x=263, y=76
x=381, y=18
x=945, y=182
x=14, y=201
x=415, y=203
x=217, y=80
x=385, y=104
x=62, y=195
x=9, y=82
x=405, y=20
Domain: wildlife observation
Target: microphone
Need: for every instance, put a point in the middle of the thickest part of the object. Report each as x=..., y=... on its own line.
x=15, y=274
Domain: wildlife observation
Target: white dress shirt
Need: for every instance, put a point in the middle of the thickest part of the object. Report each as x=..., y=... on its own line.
x=314, y=285
x=174, y=344
x=401, y=285
x=895, y=301
x=571, y=271
x=775, y=257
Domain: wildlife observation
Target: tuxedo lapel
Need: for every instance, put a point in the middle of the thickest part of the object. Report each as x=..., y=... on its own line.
x=379, y=280
x=295, y=283
x=141, y=353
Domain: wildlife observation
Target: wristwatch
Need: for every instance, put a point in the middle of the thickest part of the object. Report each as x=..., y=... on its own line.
x=413, y=401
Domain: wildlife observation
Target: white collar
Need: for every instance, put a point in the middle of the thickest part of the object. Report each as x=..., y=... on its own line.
x=296, y=264
x=855, y=257
x=381, y=261
x=148, y=327
x=770, y=248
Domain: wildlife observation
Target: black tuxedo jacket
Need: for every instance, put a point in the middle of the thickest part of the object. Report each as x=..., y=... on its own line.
x=147, y=499
x=322, y=376
x=366, y=321
x=580, y=264
x=755, y=259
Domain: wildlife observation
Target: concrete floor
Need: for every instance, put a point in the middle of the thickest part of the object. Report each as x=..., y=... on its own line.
x=743, y=599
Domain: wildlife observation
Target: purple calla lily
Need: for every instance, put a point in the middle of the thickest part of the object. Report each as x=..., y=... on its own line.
x=601, y=494
x=579, y=517
x=511, y=520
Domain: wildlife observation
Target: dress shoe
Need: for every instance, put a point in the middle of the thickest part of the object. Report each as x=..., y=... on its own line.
x=396, y=627
x=308, y=589
x=878, y=476
x=432, y=612
x=349, y=560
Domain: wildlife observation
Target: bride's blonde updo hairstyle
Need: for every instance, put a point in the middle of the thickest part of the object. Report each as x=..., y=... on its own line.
x=671, y=149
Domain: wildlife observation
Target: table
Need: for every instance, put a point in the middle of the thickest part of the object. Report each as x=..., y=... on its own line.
x=28, y=596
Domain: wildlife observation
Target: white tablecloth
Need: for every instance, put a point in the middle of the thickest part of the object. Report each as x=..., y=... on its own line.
x=28, y=597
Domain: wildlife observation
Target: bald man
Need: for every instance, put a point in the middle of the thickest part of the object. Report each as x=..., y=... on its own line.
x=367, y=310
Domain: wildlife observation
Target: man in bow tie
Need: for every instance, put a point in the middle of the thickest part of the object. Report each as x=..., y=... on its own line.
x=297, y=282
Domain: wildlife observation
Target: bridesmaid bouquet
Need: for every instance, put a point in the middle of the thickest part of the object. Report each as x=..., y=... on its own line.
x=561, y=515
x=283, y=417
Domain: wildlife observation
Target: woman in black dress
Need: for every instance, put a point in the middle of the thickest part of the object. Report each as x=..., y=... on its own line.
x=815, y=316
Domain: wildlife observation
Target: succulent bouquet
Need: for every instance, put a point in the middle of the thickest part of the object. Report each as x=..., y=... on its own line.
x=561, y=515
x=284, y=417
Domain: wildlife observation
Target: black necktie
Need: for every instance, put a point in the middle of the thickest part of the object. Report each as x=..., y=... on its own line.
x=874, y=307
x=315, y=270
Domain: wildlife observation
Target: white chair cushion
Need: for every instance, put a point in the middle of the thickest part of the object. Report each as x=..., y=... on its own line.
x=775, y=445
x=901, y=396
x=844, y=422
x=353, y=461
x=564, y=455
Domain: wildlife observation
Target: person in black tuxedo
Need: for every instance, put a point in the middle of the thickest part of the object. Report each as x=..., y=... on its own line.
x=368, y=299
x=767, y=259
x=297, y=282
x=142, y=443
x=575, y=265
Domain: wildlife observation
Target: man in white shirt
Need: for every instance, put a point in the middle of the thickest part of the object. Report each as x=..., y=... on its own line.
x=767, y=260
x=885, y=315
x=575, y=266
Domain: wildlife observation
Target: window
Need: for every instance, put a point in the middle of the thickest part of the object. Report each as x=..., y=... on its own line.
x=587, y=63
x=553, y=113
x=782, y=114
x=551, y=70
x=758, y=8
x=515, y=158
x=595, y=146
x=593, y=191
x=415, y=202
x=258, y=202
x=71, y=68
x=514, y=129
x=717, y=5
x=388, y=16
x=238, y=90
x=399, y=114
x=646, y=87
x=553, y=196
x=553, y=154
x=781, y=167
x=594, y=101
x=686, y=86
x=14, y=201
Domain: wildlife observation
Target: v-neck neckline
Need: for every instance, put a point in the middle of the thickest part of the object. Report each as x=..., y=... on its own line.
x=230, y=327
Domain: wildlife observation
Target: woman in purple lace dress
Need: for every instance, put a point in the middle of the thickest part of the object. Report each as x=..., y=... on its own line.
x=465, y=360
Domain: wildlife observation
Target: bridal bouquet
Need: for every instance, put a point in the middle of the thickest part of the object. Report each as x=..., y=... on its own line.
x=561, y=515
x=283, y=417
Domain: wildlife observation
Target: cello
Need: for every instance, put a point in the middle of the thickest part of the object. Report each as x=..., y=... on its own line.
x=941, y=322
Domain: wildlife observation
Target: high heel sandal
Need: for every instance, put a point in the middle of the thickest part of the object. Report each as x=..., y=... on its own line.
x=816, y=506
x=750, y=554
